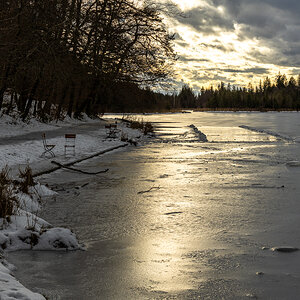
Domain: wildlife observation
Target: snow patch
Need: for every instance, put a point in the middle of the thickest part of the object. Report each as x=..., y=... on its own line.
x=286, y=249
x=57, y=239
x=10, y=288
x=42, y=190
x=13, y=126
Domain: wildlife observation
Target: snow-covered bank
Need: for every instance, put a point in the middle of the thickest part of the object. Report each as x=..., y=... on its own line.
x=24, y=229
x=275, y=134
x=11, y=288
x=28, y=151
x=200, y=135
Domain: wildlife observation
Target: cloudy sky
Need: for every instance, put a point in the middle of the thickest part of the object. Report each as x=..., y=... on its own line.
x=235, y=41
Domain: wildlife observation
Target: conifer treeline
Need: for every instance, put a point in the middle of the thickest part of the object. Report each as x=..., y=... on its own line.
x=72, y=54
x=282, y=93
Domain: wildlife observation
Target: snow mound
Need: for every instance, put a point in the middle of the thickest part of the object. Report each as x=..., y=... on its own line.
x=286, y=249
x=57, y=239
x=47, y=239
x=275, y=134
x=201, y=136
x=25, y=230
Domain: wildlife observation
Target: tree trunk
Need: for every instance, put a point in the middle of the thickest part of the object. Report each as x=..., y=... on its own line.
x=3, y=86
x=10, y=103
x=2, y=97
x=27, y=108
x=71, y=100
x=21, y=103
x=61, y=102
x=31, y=95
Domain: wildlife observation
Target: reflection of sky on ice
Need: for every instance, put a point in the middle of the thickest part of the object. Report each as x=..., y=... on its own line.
x=184, y=219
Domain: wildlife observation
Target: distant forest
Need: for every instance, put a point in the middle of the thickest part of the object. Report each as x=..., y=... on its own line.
x=281, y=93
x=277, y=94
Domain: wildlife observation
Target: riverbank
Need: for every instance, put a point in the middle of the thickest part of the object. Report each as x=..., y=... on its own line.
x=21, y=149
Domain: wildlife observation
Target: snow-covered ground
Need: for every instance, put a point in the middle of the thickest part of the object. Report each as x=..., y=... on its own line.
x=24, y=229
x=29, y=151
x=11, y=126
x=10, y=288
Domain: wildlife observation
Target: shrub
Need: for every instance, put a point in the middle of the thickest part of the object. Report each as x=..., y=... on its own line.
x=4, y=178
x=148, y=128
x=8, y=202
x=27, y=179
x=136, y=123
x=124, y=137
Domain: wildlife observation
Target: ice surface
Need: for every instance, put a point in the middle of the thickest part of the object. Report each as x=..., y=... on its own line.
x=200, y=234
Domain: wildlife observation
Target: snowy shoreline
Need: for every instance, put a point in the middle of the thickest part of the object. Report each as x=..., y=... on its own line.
x=24, y=230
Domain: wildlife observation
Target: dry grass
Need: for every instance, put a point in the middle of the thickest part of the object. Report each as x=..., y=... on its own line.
x=124, y=137
x=8, y=203
x=4, y=178
x=138, y=123
x=148, y=128
x=26, y=179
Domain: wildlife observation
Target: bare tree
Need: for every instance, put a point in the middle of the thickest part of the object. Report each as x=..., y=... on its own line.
x=69, y=53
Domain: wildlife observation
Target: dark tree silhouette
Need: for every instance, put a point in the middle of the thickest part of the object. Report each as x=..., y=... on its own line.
x=68, y=55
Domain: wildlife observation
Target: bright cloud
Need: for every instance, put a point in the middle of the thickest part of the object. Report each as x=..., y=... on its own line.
x=235, y=41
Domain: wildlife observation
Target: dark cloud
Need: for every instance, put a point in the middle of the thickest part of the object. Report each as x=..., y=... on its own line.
x=182, y=43
x=274, y=23
x=257, y=70
x=218, y=46
x=194, y=60
x=211, y=78
x=228, y=75
x=206, y=20
x=296, y=72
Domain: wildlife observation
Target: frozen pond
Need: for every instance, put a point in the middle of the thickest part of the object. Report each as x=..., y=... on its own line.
x=177, y=218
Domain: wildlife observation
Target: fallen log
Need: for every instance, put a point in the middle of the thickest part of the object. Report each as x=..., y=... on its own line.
x=78, y=170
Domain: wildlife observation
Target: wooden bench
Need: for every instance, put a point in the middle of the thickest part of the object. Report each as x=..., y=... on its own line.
x=47, y=147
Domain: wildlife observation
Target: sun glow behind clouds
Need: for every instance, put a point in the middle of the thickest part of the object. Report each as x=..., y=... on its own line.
x=188, y=4
x=211, y=56
x=212, y=47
